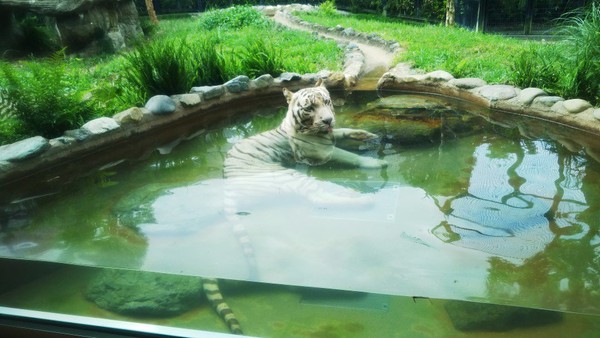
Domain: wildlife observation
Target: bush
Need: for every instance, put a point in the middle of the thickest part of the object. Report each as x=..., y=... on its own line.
x=540, y=66
x=212, y=66
x=236, y=17
x=46, y=99
x=328, y=7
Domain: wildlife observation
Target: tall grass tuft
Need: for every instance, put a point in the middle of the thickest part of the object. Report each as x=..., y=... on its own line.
x=232, y=18
x=259, y=56
x=46, y=99
x=582, y=32
x=212, y=65
x=162, y=67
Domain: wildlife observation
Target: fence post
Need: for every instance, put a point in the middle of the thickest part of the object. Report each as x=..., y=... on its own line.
x=481, y=16
x=528, y=17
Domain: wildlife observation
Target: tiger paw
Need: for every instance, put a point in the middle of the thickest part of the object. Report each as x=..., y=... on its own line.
x=361, y=135
x=372, y=163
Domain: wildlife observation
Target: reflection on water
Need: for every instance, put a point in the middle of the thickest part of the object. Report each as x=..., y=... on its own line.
x=477, y=206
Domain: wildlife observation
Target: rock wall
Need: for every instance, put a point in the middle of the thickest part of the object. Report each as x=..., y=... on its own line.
x=80, y=25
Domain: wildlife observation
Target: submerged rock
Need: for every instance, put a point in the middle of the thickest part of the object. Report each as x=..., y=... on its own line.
x=468, y=316
x=139, y=293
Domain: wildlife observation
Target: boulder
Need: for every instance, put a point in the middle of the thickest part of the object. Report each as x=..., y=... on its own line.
x=238, y=84
x=84, y=25
x=498, y=92
x=209, y=92
x=100, y=125
x=24, y=149
x=161, y=105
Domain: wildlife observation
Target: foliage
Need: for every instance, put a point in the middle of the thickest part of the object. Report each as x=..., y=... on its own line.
x=162, y=67
x=45, y=98
x=259, y=56
x=570, y=68
x=213, y=67
x=236, y=17
x=328, y=7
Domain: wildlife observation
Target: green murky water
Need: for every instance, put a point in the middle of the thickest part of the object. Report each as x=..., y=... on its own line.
x=481, y=207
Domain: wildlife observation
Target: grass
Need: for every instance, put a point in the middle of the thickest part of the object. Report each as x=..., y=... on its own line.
x=461, y=52
x=182, y=52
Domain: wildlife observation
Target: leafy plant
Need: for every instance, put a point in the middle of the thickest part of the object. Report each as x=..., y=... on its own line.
x=328, y=7
x=259, y=57
x=212, y=65
x=46, y=99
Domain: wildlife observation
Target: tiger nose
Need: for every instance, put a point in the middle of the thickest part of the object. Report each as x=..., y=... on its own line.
x=328, y=120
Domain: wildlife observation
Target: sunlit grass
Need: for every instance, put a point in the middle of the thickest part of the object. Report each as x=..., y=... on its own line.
x=459, y=51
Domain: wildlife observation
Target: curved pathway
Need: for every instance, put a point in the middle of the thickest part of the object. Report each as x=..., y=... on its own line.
x=377, y=60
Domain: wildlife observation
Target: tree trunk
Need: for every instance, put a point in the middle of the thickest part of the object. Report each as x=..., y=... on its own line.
x=151, y=12
x=450, y=11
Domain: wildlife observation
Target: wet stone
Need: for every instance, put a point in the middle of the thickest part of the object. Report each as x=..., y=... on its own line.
x=62, y=141
x=24, y=149
x=5, y=166
x=138, y=293
x=238, y=84
x=468, y=83
x=161, y=105
x=575, y=106
x=100, y=125
x=189, y=100
x=498, y=92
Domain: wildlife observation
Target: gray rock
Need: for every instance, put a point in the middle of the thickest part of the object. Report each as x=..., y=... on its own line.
x=285, y=77
x=188, y=100
x=24, y=149
x=527, y=95
x=548, y=101
x=62, y=141
x=77, y=134
x=238, y=84
x=596, y=114
x=209, y=92
x=263, y=81
x=100, y=125
x=468, y=83
x=439, y=75
x=349, y=32
x=139, y=293
x=133, y=114
x=498, y=92
x=575, y=106
x=161, y=105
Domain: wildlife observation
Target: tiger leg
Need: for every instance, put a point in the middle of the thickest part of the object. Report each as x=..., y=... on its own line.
x=348, y=158
x=214, y=296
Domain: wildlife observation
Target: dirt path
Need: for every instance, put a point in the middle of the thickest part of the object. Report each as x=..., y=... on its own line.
x=377, y=60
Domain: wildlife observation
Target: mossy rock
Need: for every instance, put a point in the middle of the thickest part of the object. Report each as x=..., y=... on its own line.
x=468, y=316
x=144, y=294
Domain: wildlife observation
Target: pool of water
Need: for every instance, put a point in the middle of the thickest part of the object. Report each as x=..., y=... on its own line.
x=475, y=205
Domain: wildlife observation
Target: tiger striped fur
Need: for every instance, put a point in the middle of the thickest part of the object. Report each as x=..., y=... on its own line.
x=215, y=298
x=263, y=165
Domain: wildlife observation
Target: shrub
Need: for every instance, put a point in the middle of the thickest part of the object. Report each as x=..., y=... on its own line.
x=328, y=8
x=259, y=57
x=236, y=17
x=46, y=99
x=540, y=66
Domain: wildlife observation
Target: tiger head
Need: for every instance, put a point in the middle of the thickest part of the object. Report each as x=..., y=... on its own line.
x=309, y=111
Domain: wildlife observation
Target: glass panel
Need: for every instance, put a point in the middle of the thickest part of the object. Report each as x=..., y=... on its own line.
x=472, y=206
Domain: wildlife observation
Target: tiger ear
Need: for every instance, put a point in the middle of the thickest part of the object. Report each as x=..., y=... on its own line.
x=288, y=94
x=320, y=83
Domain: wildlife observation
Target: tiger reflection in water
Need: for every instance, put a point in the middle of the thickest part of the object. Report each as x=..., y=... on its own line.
x=263, y=164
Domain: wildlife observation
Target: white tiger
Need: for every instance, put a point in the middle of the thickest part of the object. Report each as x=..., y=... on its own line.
x=263, y=164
